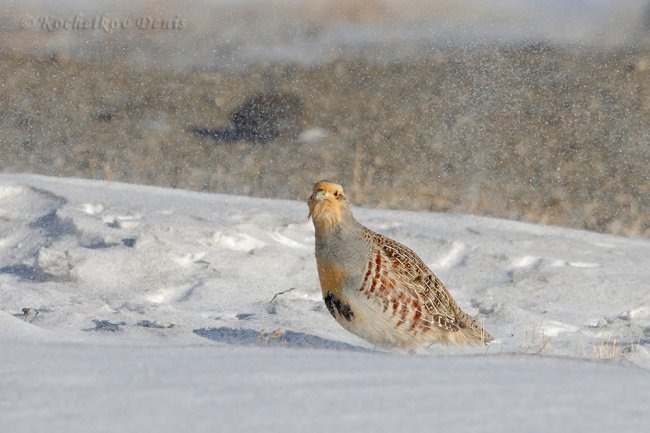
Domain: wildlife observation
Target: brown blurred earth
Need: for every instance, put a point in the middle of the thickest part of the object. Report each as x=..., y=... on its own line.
x=533, y=132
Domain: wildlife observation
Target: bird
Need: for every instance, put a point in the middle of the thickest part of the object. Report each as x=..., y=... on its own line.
x=379, y=289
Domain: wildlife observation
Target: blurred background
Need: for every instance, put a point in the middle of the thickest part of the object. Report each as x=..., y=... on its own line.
x=533, y=110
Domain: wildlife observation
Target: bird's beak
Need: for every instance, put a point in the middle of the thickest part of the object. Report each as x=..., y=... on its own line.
x=318, y=195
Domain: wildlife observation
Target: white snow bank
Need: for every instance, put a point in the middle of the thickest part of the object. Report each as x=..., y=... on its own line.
x=104, y=388
x=127, y=308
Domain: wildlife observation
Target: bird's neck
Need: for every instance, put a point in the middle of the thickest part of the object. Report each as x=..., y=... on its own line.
x=326, y=222
x=335, y=222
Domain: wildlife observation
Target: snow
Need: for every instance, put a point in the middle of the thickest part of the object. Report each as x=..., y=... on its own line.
x=83, y=388
x=130, y=308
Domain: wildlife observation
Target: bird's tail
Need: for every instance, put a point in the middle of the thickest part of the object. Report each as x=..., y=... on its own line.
x=473, y=331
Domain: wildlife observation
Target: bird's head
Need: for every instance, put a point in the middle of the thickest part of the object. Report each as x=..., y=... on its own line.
x=327, y=205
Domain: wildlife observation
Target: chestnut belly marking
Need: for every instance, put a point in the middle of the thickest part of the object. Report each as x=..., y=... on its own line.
x=334, y=304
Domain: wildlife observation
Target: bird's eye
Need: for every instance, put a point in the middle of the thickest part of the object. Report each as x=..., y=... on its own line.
x=337, y=194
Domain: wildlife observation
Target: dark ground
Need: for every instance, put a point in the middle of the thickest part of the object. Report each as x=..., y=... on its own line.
x=538, y=133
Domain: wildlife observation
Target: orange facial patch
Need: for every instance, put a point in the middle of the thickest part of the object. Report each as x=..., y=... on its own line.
x=329, y=187
x=325, y=205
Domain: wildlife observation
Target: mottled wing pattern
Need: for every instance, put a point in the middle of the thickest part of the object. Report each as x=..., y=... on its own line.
x=407, y=289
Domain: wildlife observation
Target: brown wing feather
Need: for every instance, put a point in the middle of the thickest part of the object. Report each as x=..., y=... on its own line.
x=412, y=280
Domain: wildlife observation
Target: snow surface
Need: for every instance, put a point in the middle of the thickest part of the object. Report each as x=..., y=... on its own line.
x=129, y=308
